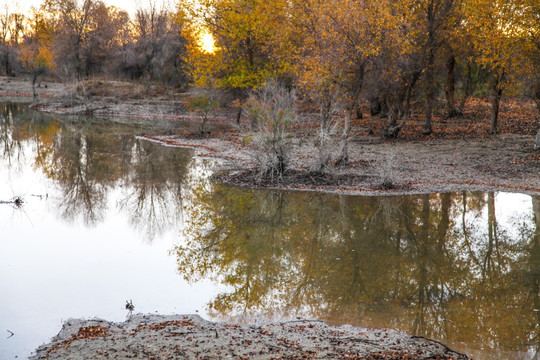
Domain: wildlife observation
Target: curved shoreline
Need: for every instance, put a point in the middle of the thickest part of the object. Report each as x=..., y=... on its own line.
x=429, y=188
x=517, y=172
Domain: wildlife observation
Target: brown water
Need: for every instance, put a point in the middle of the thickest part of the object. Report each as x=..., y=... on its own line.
x=108, y=217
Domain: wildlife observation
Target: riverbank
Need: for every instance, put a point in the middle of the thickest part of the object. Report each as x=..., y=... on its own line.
x=191, y=337
x=504, y=162
x=460, y=155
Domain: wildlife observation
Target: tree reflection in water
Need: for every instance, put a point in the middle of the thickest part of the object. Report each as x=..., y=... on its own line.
x=435, y=265
x=439, y=265
x=89, y=160
x=153, y=191
x=10, y=138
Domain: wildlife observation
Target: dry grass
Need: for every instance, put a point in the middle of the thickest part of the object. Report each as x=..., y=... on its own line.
x=125, y=90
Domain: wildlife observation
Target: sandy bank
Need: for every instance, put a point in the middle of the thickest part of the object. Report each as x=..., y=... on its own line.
x=191, y=337
x=504, y=162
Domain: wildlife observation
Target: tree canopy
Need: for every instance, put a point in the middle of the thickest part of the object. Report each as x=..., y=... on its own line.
x=335, y=52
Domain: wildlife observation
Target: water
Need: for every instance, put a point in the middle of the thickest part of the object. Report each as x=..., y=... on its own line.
x=108, y=217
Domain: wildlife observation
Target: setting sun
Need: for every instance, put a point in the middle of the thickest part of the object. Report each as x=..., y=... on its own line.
x=207, y=42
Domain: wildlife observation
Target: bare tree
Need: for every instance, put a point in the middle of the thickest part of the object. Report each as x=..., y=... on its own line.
x=85, y=34
x=157, y=46
x=11, y=29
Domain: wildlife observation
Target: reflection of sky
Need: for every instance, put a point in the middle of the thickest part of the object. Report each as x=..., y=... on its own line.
x=512, y=209
x=51, y=270
x=513, y=212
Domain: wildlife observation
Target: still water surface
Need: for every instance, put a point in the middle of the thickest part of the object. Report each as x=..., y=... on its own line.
x=108, y=217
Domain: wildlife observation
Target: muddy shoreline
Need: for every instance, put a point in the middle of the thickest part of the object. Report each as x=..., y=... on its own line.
x=503, y=162
x=191, y=337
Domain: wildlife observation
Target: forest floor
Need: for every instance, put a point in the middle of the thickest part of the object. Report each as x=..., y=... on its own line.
x=191, y=337
x=460, y=154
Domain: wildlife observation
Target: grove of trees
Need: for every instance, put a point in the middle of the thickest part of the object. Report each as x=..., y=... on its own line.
x=335, y=53
x=79, y=39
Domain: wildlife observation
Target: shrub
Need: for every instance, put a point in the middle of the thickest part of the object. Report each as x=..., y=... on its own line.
x=387, y=172
x=272, y=113
x=328, y=145
x=203, y=104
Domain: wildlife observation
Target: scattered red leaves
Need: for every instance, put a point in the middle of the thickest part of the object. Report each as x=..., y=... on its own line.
x=516, y=116
x=87, y=332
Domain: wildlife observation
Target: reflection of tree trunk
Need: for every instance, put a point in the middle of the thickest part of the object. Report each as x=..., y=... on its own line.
x=446, y=201
x=466, y=232
x=536, y=210
x=463, y=213
x=492, y=235
x=419, y=322
x=535, y=267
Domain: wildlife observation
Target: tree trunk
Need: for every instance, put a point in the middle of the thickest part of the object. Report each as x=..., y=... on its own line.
x=7, y=64
x=408, y=94
x=430, y=79
x=239, y=115
x=468, y=88
x=393, y=129
x=449, y=90
x=359, y=114
x=355, y=92
x=374, y=106
x=383, y=101
x=393, y=112
x=496, y=95
x=326, y=104
x=34, y=93
x=249, y=48
x=537, y=100
x=344, y=156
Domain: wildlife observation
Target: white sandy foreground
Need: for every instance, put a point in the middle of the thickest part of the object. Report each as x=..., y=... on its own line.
x=191, y=337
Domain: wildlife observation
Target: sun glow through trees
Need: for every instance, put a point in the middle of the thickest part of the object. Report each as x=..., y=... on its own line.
x=207, y=42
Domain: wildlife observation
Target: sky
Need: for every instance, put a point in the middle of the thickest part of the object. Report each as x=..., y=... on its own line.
x=128, y=5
